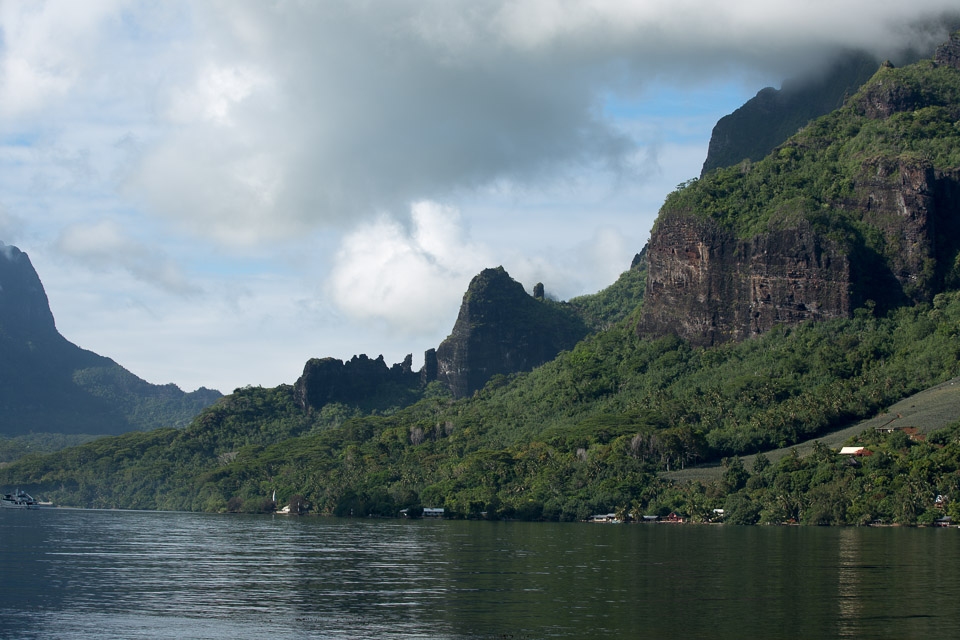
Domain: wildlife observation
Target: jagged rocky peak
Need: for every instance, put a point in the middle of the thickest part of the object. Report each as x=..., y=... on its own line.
x=429, y=371
x=24, y=308
x=327, y=380
x=500, y=330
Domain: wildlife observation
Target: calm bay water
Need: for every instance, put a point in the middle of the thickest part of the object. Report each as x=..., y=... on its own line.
x=119, y=574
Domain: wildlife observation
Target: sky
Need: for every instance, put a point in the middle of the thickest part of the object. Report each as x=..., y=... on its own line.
x=214, y=192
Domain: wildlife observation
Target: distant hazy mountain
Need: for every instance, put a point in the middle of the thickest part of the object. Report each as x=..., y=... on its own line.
x=50, y=385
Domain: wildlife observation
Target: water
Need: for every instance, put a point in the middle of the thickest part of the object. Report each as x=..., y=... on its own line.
x=109, y=574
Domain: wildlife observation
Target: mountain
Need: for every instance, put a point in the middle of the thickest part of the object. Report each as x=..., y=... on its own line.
x=783, y=299
x=860, y=207
x=773, y=115
x=50, y=385
x=501, y=330
x=359, y=381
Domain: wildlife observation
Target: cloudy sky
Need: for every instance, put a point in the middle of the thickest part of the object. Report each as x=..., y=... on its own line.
x=214, y=192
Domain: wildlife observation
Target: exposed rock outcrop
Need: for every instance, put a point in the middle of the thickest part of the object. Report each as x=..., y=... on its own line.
x=326, y=380
x=501, y=329
x=948, y=54
x=915, y=207
x=709, y=286
x=429, y=372
x=706, y=285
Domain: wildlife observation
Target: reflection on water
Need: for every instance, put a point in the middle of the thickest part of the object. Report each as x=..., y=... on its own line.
x=94, y=574
x=849, y=573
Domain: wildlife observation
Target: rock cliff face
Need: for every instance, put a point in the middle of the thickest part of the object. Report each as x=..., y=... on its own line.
x=892, y=235
x=327, y=380
x=48, y=384
x=501, y=329
x=915, y=207
x=708, y=286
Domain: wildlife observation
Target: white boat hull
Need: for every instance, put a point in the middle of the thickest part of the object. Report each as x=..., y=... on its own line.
x=18, y=500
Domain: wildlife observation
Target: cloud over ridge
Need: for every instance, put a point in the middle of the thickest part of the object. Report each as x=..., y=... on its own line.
x=284, y=117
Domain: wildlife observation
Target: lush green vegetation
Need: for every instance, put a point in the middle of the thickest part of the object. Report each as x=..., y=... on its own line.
x=20, y=446
x=586, y=433
x=900, y=483
x=814, y=175
x=591, y=430
x=602, y=310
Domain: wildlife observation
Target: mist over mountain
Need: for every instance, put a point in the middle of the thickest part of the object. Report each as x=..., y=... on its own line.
x=773, y=115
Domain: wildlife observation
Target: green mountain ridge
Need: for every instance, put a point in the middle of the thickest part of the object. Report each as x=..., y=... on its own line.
x=773, y=115
x=592, y=429
x=859, y=207
x=48, y=385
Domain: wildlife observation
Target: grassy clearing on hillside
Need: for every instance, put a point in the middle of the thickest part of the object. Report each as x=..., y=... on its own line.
x=930, y=410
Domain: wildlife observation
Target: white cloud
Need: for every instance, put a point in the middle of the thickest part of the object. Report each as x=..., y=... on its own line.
x=104, y=245
x=408, y=278
x=10, y=225
x=216, y=92
x=48, y=47
x=307, y=115
x=268, y=129
x=261, y=121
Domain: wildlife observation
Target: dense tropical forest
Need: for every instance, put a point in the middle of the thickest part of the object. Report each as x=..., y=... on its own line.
x=593, y=430
x=586, y=433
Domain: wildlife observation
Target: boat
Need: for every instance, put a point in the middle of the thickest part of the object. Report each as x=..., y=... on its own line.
x=18, y=500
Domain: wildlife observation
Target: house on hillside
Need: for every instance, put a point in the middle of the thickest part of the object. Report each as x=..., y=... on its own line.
x=888, y=427
x=912, y=432
x=855, y=451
